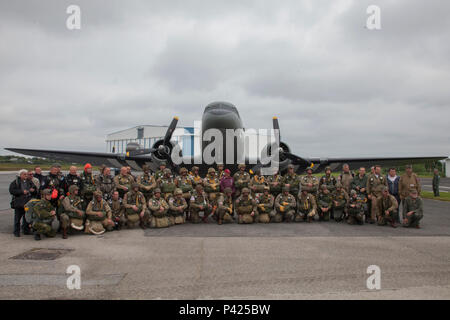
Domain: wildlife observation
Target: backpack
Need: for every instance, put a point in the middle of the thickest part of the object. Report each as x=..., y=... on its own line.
x=30, y=216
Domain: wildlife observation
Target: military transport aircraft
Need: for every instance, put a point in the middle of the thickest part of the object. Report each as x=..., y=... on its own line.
x=221, y=116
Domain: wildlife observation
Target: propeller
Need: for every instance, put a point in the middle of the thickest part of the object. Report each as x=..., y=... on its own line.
x=170, y=130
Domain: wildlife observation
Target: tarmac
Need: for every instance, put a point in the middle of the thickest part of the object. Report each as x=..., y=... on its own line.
x=325, y=260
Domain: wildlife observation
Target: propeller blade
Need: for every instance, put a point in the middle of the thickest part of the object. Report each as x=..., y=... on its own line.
x=276, y=126
x=170, y=130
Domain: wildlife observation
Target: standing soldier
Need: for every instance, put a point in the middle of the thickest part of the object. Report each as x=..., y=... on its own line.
x=375, y=184
x=166, y=184
x=241, y=179
x=123, y=182
x=340, y=199
x=44, y=216
x=87, y=184
x=136, y=207
x=436, y=180
x=160, y=172
x=275, y=183
x=355, y=209
x=324, y=203
x=285, y=206
x=359, y=184
x=53, y=182
x=387, y=208
x=105, y=183
x=212, y=188
x=195, y=176
x=309, y=182
x=306, y=207
x=412, y=210
x=98, y=215
x=265, y=203
x=346, y=178
x=328, y=180
x=292, y=181
x=199, y=203
x=246, y=208
x=158, y=207
x=225, y=206
x=257, y=183
x=220, y=171
x=177, y=207
x=117, y=211
x=72, y=178
x=146, y=183
x=72, y=214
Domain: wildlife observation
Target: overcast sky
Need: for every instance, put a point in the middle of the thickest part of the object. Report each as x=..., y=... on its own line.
x=338, y=88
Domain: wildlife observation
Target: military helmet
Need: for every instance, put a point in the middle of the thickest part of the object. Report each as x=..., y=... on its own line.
x=157, y=190
x=97, y=193
x=309, y=168
x=228, y=190
x=183, y=169
x=241, y=165
x=194, y=168
x=134, y=185
x=163, y=163
x=353, y=192
x=46, y=192
x=178, y=191
x=211, y=170
x=327, y=168
x=338, y=185
x=72, y=188
x=245, y=190
x=167, y=170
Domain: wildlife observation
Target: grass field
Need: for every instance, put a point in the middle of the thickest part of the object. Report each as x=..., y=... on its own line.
x=444, y=196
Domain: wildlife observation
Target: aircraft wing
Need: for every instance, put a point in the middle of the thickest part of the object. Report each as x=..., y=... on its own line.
x=355, y=163
x=94, y=158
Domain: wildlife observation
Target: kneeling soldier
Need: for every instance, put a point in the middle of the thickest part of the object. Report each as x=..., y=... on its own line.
x=387, y=208
x=355, y=208
x=136, y=207
x=340, y=199
x=325, y=203
x=412, y=210
x=159, y=207
x=118, y=211
x=177, y=206
x=285, y=206
x=73, y=214
x=265, y=204
x=225, y=206
x=44, y=217
x=98, y=215
x=199, y=202
x=306, y=206
x=246, y=207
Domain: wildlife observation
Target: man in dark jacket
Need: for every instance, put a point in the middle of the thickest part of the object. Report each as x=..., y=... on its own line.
x=392, y=181
x=22, y=190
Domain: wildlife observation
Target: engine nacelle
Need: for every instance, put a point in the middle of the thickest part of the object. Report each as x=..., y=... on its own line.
x=133, y=146
x=283, y=161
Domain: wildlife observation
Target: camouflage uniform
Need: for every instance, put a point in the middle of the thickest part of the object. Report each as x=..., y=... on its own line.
x=146, y=183
x=340, y=199
x=199, y=202
x=415, y=205
x=436, y=180
x=306, y=208
x=355, y=209
x=359, y=184
x=72, y=214
x=225, y=206
x=87, y=187
x=123, y=184
x=42, y=223
x=185, y=183
x=324, y=201
x=257, y=184
x=388, y=203
x=175, y=216
x=285, y=207
x=96, y=224
x=136, y=198
x=195, y=177
x=241, y=179
x=374, y=186
x=159, y=218
x=245, y=207
x=275, y=184
x=166, y=184
x=293, y=180
x=212, y=188
x=118, y=213
x=105, y=184
x=329, y=181
x=308, y=180
x=265, y=203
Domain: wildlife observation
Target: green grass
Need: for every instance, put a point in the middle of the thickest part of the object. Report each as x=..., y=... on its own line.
x=444, y=196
